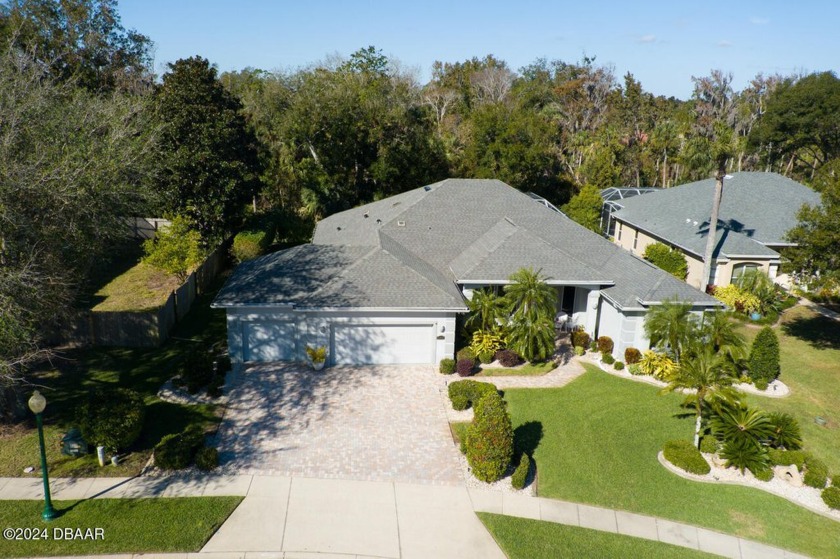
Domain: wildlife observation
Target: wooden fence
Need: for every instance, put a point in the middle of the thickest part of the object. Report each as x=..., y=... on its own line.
x=142, y=329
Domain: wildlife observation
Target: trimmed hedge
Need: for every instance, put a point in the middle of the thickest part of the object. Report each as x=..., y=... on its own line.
x=508, y=358
x=831, y=497
x=618, y=365
x=254, y=241
x=816, y=473
x=176, y=451
x=581, y=339
x=486, y=357
x=708, y=444
x=671, y=260
x=520, y=475
x=764, y=357
x=605, y=344
x=112, y=417
x=632, y=355
x=447, y=366
x=465, y=353
x=207, y=458
x=465, y=367
x=608, y=358
x=682, y=454
x=786, y=457
x=490, y=439
x=466, y=393
x=835, y=480
x=579, y=351
x=764, y=474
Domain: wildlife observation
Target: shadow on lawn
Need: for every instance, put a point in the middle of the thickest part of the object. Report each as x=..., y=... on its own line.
x=820, y=332
x=527, y=437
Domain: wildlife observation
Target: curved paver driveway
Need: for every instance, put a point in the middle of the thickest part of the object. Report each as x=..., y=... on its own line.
x=378, y=423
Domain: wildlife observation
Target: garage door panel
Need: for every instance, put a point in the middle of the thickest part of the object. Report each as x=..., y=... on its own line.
x=383, y=344
x=269, y=341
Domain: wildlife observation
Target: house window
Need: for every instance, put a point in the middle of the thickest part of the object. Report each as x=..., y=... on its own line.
x=738, y=270
x=635, y=239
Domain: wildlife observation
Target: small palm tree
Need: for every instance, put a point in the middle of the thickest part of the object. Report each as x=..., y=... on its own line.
x=739, y=422
x=671, y=325
x=485, y=307
x=709, y=376
x=786, y=433
x=530, y=296
x=532, y=339
x=719, y=330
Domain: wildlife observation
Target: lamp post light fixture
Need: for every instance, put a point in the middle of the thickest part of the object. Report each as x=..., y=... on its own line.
x=37, y=403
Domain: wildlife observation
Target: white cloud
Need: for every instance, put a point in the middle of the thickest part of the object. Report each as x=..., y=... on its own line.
x=647, y=39
x=724, y=44
x=755, y=20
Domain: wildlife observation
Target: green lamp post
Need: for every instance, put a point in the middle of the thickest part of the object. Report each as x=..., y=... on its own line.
x=37, y=403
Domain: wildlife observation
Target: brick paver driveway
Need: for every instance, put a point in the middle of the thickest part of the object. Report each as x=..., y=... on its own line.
x=383, y=423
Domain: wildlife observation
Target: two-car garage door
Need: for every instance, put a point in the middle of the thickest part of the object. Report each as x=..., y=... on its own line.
x=357, y=344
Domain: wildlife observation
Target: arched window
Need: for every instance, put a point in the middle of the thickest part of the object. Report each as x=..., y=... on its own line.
x=738, y=270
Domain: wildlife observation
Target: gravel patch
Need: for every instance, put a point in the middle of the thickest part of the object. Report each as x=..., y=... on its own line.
x=169, y=392
x=806, y=497
x=502, y=486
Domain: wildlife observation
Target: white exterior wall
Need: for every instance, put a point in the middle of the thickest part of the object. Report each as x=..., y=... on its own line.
x=610, y=322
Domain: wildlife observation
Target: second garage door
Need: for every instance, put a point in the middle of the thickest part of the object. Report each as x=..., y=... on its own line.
x=383, y=344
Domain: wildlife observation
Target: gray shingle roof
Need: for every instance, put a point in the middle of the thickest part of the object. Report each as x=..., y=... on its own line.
x=757, y=209
x=410, y=250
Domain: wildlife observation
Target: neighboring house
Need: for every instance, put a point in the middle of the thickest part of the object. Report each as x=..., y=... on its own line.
x=383, y=283
x=614, y=197
x=757, y=211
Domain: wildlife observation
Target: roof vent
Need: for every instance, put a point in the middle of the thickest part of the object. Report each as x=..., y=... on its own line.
x=379, y=221
x=338, y=228
x=401, y=223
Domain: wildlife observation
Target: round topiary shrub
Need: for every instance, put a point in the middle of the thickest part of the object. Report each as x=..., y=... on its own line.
x=764, y=357
x=207, y=458
x=831, y=497
x=580, y=338
x=684, y=455
x=763, y=474
x=112, y=417
x=605, y=344
x=634, y=369
x=618, y=365
x=447, y=366
x=520, y=475
x=608, y=358
x=786, y=458
x=465, y=367
x=490, y=439
x=486, y=357
x=632, y=355
x=508, y=358
x=466, y=393
x=579, y=351
x=816, y=473
x=176, y=451
x=465, y=353
x=708, y=444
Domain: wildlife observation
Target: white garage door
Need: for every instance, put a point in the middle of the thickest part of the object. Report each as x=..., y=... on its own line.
x=383, y=344
x=269, y=341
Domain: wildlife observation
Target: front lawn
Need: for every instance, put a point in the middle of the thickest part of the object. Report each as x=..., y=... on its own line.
x=141, y=288
x=526, y=370
x=67, y=382
x=522, y=538
x=597, y=440
x=128, y=525
x=809, y=346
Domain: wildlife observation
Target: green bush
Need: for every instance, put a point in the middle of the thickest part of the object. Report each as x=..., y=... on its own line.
x=464, y=367
x=786, y=432
x=764, y=356
x=465, y=353
x=207, y=458
x=605, y=344
x=632, y=355
x=787, y=458
x=520, y=475
x=508, y=358
x=618, y=365
x=708, y=444
x=634, y=369
x=744, y=454
x=831, y=497
x=196, y=369
x=254, y=240
x=490, y=439
x=816, y=473
x=684, y=455
x=608, y=358
x=175, y=249
x=447, y=366
x=579, y=351
x=176, y=451
x=763, y=474
x=671, y=260
x=466, y=393
x=761, y=384
x=593, y=346
x=112, y=417
x=580, y=338
x=835, y=480
x=486, y=357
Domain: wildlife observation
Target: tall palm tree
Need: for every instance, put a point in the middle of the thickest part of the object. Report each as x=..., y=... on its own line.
x=485, y=307
x=722, y=151
x=529, y=295
x=708, y=375
x=670, y=325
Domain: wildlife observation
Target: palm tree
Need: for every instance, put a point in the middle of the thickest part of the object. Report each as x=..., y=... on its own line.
x=709, y=376
x=719, y=331
x=485, y=307
x=722, y=151
x=529, y=295
x=532, y=339
x=670, y=325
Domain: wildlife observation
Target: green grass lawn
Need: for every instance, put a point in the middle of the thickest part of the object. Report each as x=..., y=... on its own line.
x=526, y=370
x=140, y=288
x=522, y=538
x=128, y=525
x=66, y=383
x=810, y=361
x=596, y=441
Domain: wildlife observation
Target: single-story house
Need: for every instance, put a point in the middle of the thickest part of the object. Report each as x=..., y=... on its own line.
x=756, y=212
x=383, y=283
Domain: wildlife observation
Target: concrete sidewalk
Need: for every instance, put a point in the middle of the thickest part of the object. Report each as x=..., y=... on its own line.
x=297, y=518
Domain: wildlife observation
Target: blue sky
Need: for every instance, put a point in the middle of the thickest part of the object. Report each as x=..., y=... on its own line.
x=662, y=43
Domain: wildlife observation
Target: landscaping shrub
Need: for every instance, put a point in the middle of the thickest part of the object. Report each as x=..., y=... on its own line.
x=447, y=366
x=112, y=417
x=196, y=369
x=465, y=353
x=465, y=367
x=708, y=444
x=618, y=365
x=682, y=454
x=580, y=338
x=486, y=357
x=176, y=249
x=816, y=473
x=831, y=497
x=484, y=342
x=786, y=458
x=764, y=356
x=763, y=474
x=605, y=344
x=520, y=475
x=835, y=480
x=737, y=299
x=508, y=358
x=634, y=369
x=761, y=384
x=466, y=393
x=786, y=433
x=670, y=260
x=490, y=439
x=254, y=240
x=176, y=451
x=608, y=358
x=207, y=458
x=657, y=364
x=744, y=454
x=632, y=355
x=593, y=346
x=579, y=351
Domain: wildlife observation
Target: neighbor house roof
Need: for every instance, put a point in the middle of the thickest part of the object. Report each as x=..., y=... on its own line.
x=411, y=251
x=757, y=210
